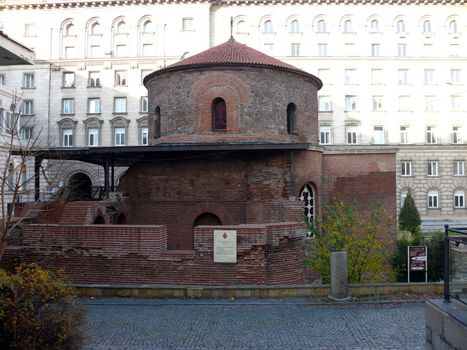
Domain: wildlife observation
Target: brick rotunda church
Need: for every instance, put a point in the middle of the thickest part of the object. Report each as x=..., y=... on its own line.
x=233, y=145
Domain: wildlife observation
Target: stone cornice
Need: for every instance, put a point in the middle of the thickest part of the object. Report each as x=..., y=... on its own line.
x=54, y=4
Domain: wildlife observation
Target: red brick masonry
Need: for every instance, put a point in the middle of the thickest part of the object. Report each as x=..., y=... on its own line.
x=125, y=254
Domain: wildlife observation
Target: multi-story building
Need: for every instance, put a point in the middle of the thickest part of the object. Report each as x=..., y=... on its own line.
x=394, y=75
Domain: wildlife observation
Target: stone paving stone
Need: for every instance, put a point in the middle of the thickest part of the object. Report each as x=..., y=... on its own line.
x=141, y=324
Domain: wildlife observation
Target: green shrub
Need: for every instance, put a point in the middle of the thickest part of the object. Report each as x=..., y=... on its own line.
x=409, y=217
x=37, y=311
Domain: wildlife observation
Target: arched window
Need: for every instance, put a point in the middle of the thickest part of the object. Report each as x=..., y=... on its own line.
x=433, y=199
x=147, y=27
x=294, y=26
x=374, y=25
x=241, y=26
x=219, y=115
x=291, y=118
x=426, y=27
x=70, y=29
x=267, y=26
x=207, y=219
x=307, y=196
x=95, y=28
x=452, y=26
x=321, y=26
x=347, y=28
x=121, y=28
x=459, y=199
x=11, y=177
x=400, y=26
x=157, y=122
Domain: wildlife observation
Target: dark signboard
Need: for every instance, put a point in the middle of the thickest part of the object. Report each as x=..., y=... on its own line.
x=417, y=258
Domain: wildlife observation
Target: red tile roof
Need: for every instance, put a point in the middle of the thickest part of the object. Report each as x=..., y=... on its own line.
x=232, y=53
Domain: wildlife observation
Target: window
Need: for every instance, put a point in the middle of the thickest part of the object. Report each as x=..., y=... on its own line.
x=68, y=79
x=95, y=51
x=324, y=75
x=347, y=27
x=400, y=27
x=28, y=107
x=452, y=27
x=456, y=103
x=454, y=50
x=377, y=103
x=67, y=137
x=30, y=29
x=455, y=76
x=459, y=201
x=70, y=30
x=144, y=104
x=94, y=79
x=187, y=24
x=404, y=133
x=432, y=199
x=430, y=103
x=96, y=28
x=11, y=177
x=120, y=105
x=122, y=28
x=147, y=27
x=402, y=76
x=321, y=26
x=378, y=135
x=350, y=103
x=432, y=168
x=401, y=50
x=94, y=105
x=68, y=106
x=456, y=134
x=93, y=137
x=294, y=26
x=308, y=199
x=430, y=135
x=377, y=76
x=157, y=122
x=322, y=49
x=120, y=78
x=144, y=135
x=325, y=103
x=148, y=50
x=404, y=103
x=406, y=168
x=375, y=50
x=374, y=26
x=144, y=72
x=2, y=79
x=70, y=52
x=295, y=49
x=268, y=47
x=28, y=80
x=24, y=178
x=267, y=26
x=121, y=50
x=351, y=131
x=120, y=136
x=350, y=76
x=426, y=27
x=241, y=27
x=429, y=75
x=403, y=197
x=458, y=168
x=26, y=133
x=349, y=49
x=325, y=134
x=219, y=115
x=291, y=118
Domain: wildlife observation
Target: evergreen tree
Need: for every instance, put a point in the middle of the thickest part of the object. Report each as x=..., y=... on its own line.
x=409, y=218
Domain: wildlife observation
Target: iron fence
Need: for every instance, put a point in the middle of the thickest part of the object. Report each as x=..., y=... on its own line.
x=455, y=264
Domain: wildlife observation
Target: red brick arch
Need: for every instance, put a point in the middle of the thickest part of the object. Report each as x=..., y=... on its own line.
x=201, y=208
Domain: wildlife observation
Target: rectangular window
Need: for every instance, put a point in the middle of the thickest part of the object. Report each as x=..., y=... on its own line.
x=350, y=103
x=406, y=168
x=459, y=168
x=187, y=24
x=2, y=79
x=26, y=133
x=378, y=135
x=94, y=79
x=148, y=50
x=28, y=80
x=94, y=105
x=459, y=199
x=95, y=51
x=404, y=103
x=322, y=49
x=456, y=134
x=120, y=78
x=121, y=50
x=404, y=132
x=67, y=137
x=144, y=104
x=403, y=197
x=455, y=76
x=325, y=134
x=268, y=48
x=295, y=49
x=430, y=135
x=349, y=49
x=144, y=136
x=377, y=76
x=120, y=105
x=350, y=76
x=30, y=29
x=324, y=75
x=28, y=107
x=325, y=104
x=70, y=52
x=68, y=106
x=402, y=76
x=401, y=50
x=432, y=168
x=68, y=79
x=454, y=50
x=93, y=137
x=119, y=136
x=432, y=199
x=430, y=103
x=456, y=103
x=144, y=72
x=375, y=50
x=429, y=75
x=351, y=131
x=377, y=103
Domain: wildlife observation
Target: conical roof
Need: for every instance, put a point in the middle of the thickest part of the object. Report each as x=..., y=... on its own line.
x=230, y=54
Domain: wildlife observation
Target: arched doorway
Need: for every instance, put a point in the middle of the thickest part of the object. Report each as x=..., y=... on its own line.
x=121, y=220
x=79, y=188
x=208, y=219
x=99, y=220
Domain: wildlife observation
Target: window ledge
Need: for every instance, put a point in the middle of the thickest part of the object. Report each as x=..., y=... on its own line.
x=28, y=88
x=143, y=112
x=67, y=114
x=68, y=87
x=94, y=86
x=93, y=113
x=114, y=113
x=28, y=115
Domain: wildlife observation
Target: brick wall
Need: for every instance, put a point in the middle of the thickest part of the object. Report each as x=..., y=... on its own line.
x=124, y=254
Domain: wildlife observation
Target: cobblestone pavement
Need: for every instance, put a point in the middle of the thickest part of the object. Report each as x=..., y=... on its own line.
x=141, y=324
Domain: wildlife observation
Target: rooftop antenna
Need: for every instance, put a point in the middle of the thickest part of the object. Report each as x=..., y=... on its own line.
x=231, y=28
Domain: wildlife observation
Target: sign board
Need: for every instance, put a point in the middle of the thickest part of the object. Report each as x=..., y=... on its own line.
x=225, y=246
x=417, y=259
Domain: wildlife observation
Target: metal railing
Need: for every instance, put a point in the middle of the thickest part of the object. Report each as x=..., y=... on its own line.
x=455, y=289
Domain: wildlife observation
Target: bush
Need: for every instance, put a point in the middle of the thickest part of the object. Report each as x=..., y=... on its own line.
x=37, y=311
x=409, y=217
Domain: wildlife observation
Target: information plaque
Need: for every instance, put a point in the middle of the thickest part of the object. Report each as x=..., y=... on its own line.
x=225, y=246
